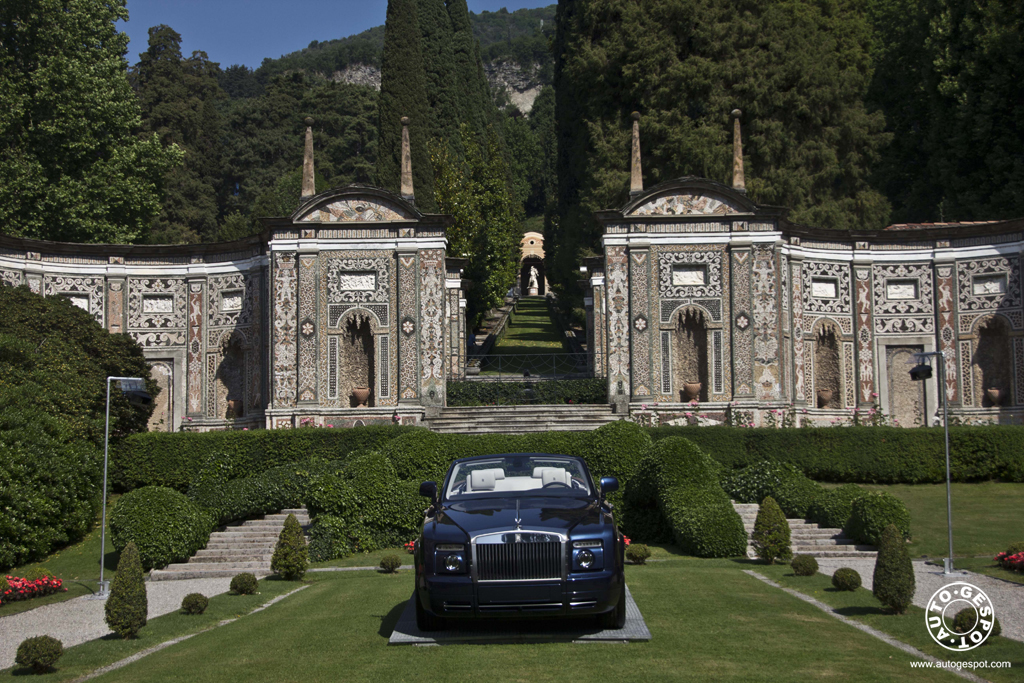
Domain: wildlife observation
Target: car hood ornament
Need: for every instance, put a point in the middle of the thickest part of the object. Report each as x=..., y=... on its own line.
x=519, y=520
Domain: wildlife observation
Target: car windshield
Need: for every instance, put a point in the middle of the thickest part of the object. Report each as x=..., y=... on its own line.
x=511, y=474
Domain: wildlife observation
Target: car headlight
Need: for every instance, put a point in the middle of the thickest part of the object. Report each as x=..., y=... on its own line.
x=587, y=555
x=585, y=558
x=449, y=558
x=453, y=563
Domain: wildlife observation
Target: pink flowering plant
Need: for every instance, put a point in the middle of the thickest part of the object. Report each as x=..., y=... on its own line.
x=19, y=588
x=1013, y=558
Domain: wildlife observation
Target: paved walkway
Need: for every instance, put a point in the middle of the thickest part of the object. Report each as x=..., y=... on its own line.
x=76, y=621
x=1007, y=598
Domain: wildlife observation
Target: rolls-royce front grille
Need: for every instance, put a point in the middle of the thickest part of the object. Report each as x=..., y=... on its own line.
x=518, y=561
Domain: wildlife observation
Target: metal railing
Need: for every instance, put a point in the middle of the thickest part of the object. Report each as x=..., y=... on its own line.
x=534, y=366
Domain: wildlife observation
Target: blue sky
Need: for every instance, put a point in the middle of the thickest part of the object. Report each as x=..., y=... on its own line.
x=246, y=31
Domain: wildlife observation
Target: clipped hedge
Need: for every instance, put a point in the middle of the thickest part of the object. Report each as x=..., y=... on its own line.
x=872, y=513
x=833, y=507
x=165, y=525
x=552, y=391
x=879, y=455
x=328, y=539
x=784, y=482
x=176, y=460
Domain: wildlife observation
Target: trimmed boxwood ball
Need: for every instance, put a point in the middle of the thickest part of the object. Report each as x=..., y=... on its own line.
x=846, y=579
x=194, y=603
x=244, y=583
x=163, y=524
x=291, y=557
x=637, y=553
x=804, y=565
x=40, y=653
x=965, y=620
x=390, y=563
x=875, y=511
x=893, y=582
x=771, y=533
x=127, y=606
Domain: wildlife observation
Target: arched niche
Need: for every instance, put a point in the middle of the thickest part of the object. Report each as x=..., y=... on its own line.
x=357, y=367
x=162, y=419
x=524, y=275
x=992, y=362
x=828, y=369
x=690, y=352
x=229, y=381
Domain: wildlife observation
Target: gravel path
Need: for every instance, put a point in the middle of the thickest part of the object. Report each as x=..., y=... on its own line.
x=76, y=621
x=1007, y=598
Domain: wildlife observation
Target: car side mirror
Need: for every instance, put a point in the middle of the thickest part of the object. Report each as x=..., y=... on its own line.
x=609, y=485
x=428, y=489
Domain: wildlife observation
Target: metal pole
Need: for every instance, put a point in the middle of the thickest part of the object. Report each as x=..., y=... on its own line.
x=948, y=568
x=103, y=517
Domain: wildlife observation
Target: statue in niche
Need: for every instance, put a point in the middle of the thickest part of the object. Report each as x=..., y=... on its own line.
x=533, y=280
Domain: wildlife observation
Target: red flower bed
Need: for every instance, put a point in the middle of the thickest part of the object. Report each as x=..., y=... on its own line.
x=411, y=547
x=24, y=589
x=1012, y=562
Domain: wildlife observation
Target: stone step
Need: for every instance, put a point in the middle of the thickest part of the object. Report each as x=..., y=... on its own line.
x=808, y=538
x=240, y=557
x=836, y=553
x=218, y=566
x=177, y=575
x=218, y=544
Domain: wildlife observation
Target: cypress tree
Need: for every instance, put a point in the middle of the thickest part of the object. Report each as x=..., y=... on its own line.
x=127, y=606
x=291, y=557
x=893, y=582
x=441, y=82
x=403, y=93
x=474, y=92
x=771, y=533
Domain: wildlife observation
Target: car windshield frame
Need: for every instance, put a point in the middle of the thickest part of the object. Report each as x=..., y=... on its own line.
x=521, y=475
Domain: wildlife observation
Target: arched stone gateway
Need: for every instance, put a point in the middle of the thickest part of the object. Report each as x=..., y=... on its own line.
x=532, y=281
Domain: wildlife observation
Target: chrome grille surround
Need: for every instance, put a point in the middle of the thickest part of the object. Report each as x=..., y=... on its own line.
x=519, y=555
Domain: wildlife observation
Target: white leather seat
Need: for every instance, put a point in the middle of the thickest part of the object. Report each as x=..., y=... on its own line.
x=481, y=481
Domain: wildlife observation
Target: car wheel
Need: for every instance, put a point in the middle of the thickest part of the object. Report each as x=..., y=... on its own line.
x=615, y=619
x=426, y=621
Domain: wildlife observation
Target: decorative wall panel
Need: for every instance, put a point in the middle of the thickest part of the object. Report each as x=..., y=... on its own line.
x=432, y=285
x=711, y=260
x=285, y=329
x=617, y=269
x=947, y=334
x=766, y=324
x=408, y=348
x=195, y=348
x=11, y=278
x=87, y=290
x=308, y=320
x=799, y=388
x=991, y=285
x=640, y=319
x=156, y=303
x=742, y=342
x=865, y=354
x=686, y=204
x=115, y=307
x=356, y=211
x=903, y=299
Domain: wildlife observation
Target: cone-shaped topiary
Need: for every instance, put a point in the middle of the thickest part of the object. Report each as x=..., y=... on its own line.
x=40, y=653
x=290, y=556
x=804, y=565
x=127, y=605
x=771, y=533
x=893, y=582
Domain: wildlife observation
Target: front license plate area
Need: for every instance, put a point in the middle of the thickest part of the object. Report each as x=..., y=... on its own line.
x=519, y=594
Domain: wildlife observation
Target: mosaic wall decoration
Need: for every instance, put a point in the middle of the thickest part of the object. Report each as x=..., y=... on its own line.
x=359, y=280
x=408, y=349
x=865, y=353
x=903, y=299
x=285, y=329
x=162, y=419
x=667, y=275
x=1018, y=370
x=156, y=303
x=991, y=285
x=849, y=377
x=617, y=279
x=35, y=283
x=81, y=290
x=432, y=284
x=966, y=374
x=947, y=335
x=827, y=288
x=307, y=328
x=666, y=363
x=799, y=392
x=115, y=307
x=356, y=211
x=599, y=332
x=11, y=278
x=195, y=348
x=764, y=306
x=641, y=332
x=234, y=300
x=742, y=342
x=686, y=204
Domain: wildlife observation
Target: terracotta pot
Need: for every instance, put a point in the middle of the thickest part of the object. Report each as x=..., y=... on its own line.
x=995, y=395
x=235, y=408
x=824, y=397
x=691, y=390
x=361, y=394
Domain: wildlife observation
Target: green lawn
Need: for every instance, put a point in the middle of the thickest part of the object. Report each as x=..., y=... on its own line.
x=909, y=628
x=530, y=330
x=986, y=565
x=986, y=517
x=708, y=620
x=78, y=566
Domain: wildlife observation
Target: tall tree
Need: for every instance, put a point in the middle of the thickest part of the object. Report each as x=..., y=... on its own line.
x=71, y=166
x=180, y=103
x=798, y=69
x=442, y=85
x=403, y=93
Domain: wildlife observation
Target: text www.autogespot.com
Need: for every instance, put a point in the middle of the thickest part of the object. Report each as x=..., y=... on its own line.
x=960, y=665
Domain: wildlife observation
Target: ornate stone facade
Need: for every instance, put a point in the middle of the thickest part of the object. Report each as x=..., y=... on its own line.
x=700, y=285
x=352, y=289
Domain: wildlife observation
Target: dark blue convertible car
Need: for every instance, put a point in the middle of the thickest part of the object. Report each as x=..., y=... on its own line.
x=519, y=535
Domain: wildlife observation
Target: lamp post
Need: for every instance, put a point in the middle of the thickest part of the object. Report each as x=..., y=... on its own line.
x=920, y=372
x=135, y=389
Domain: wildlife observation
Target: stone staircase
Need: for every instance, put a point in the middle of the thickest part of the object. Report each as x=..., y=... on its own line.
x=522, y=419
x=807, y=538
x=241, y=547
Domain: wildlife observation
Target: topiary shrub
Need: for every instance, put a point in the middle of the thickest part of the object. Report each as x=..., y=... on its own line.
x=244, y=583
x=637, y=553
x=194, y=603
x=127, y=606
x=965, y=620
x=40, y=653
x=36, y=573
x=846, y=579
x=771, y=533
x=893, y=582
x=390, y=563
x=328, y=539
x=163, y=524
x=784, y=482
x=832, y=509
x=4, y=586
x=291, y=557
x=804, y=565
x=873, y=512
